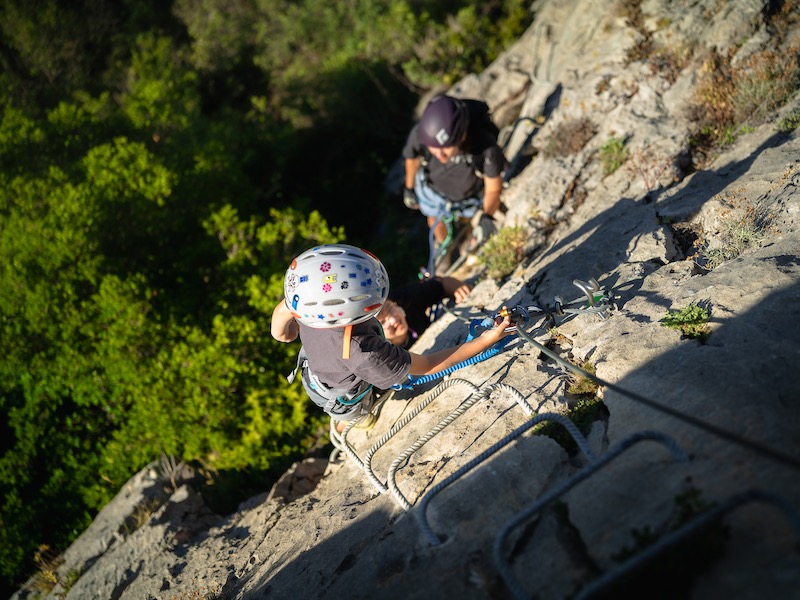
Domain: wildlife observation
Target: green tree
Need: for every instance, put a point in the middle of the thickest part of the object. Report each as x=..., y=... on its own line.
x=160, y=164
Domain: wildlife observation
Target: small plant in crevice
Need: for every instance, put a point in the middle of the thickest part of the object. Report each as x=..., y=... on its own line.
x=613, y=154
x=672, y=573
x=669, y=62
x=46, y=578
x=728, y=97
x=203, y=592
x=569, y=137
x=585, y=407
x=583, y=413
x=581, y=385
x=650, y=166
x=789, y=123
x=661, y=59
x=171, y=471
x=692, y=321
x=742, y=227
x=503, y=252
x=631, y=11
x=140, y=515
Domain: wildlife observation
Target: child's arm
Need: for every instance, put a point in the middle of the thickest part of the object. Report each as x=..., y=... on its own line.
x=284, y=328
x=424, y=364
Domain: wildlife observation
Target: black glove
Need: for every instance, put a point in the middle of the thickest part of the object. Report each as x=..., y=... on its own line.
x=410, y=199
x=487, y=226
x=483, y=227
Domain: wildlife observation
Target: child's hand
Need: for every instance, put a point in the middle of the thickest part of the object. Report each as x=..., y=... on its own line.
x=498, y=332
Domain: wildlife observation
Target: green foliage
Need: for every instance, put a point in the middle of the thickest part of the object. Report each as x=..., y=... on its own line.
x=221, y=33
x=503, y=252
x=692, y=321
x=299, y=40
x=613, y=154
x=581, y=385
x=449, y=51
x=161, y=90
x=585, y=411
x=789, y=123
x=160, y=164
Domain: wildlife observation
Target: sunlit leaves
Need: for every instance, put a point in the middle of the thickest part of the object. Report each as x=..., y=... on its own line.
x=121, y=170
x=161, y=95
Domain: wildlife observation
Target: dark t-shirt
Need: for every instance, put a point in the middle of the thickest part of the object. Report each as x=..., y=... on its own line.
x=416, y=298
x=457, y=179
x=373, y=358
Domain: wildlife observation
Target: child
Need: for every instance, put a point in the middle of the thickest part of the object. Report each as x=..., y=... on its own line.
x=407, y=312
x=332, y=295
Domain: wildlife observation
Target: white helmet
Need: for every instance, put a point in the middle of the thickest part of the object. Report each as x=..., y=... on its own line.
x=335, y=285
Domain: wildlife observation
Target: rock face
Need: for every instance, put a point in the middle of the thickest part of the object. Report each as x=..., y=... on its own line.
x=729, y=406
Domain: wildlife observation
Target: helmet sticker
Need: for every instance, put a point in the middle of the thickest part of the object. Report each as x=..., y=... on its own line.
x=291, y=282
x=441, y=136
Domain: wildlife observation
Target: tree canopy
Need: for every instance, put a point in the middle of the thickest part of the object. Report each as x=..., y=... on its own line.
x=160, y=164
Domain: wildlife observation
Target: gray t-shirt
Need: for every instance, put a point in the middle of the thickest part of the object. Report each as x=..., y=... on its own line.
x=373, y=358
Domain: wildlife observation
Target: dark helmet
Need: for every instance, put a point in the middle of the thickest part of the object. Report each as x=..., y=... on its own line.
x=444, y=122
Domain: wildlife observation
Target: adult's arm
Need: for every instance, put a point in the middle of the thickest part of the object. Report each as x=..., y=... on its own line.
x=455, y=288
x=412, y=166
x=492, y=187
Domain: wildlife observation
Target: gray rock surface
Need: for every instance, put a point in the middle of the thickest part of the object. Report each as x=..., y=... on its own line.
x=732, y=404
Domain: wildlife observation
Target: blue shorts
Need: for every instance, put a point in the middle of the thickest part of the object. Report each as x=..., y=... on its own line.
x=433, y=204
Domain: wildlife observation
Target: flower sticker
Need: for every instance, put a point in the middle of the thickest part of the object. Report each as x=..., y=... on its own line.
x=327, y=287
x=325, y=267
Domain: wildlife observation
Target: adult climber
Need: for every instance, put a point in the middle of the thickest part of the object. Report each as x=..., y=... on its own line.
x=454, y=165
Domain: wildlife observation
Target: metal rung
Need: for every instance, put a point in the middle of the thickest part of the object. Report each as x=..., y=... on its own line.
x=422, y=518
x=421, y=441
x=503, y=567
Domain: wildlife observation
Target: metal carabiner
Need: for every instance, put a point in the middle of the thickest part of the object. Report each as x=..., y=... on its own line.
x=593, y=290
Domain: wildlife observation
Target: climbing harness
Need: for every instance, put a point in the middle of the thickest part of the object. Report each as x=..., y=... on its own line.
x=341, y=405
x=455, y=235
